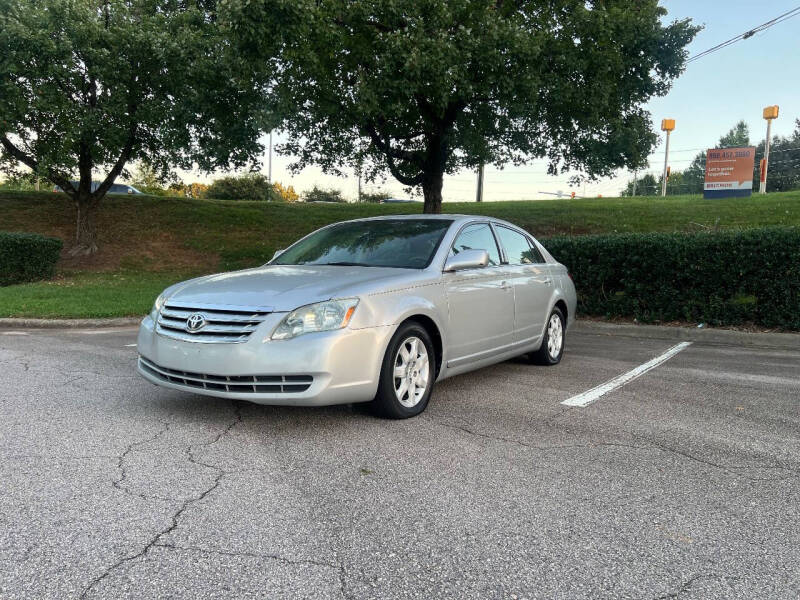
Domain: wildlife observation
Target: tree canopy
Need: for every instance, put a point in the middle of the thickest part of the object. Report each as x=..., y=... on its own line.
x=88, y=85
x=426, y=87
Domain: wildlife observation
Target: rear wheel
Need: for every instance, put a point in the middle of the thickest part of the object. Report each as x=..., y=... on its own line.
x=407, y=374
x=553, y=342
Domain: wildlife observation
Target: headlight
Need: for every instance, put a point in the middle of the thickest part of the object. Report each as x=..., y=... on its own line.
x=158, y=304
x=323, y=316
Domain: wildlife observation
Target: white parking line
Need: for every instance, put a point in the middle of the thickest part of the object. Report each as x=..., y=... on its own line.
x=593, y=394
x=130, y=345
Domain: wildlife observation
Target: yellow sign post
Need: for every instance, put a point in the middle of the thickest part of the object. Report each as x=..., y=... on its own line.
x=667, y=125
x=770, y=112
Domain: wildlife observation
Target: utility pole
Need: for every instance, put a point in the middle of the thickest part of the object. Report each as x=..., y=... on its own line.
x=269, y=173
x=359, y=186
x=770, y=113
x=667, y=125
x=635, y=174
x=479, y=193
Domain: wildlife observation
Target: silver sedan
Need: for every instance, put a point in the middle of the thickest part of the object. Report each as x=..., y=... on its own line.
x=371, y=310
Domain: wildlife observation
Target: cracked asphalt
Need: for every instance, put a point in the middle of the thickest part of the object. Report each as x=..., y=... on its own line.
x=683, y=483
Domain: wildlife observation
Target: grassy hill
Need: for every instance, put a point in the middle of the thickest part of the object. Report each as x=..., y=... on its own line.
x=148, y=242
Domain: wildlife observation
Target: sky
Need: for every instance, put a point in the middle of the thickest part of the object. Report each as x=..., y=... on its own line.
x=713, y=93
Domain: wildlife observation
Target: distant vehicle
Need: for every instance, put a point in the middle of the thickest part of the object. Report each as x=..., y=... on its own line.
x=367, y=310
x=116, y=188
x=397, y=201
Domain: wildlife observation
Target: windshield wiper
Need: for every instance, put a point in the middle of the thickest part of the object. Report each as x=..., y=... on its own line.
x=344, y=264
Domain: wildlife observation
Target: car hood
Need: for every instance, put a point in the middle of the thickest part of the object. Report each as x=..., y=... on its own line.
x=281, y=288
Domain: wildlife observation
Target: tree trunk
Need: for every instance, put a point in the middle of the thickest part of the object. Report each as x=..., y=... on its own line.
x=86, y=230
x=432, y=190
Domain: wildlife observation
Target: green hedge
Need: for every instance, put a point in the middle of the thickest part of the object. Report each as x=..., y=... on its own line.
x=27, y=257
x=729, y=278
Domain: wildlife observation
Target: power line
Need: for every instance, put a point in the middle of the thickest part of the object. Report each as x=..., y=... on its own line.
x=747, y=34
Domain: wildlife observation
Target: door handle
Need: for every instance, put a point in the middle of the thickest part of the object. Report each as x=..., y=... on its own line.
x=504, y=285
x=548, y=281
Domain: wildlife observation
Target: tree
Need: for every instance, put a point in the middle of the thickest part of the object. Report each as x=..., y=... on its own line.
x=88, y=86
x=427, y=87
x=146, y=179
x=285, y=193
x=188, y=190
x=650, y=185
x=784, y=162
x=646, y=185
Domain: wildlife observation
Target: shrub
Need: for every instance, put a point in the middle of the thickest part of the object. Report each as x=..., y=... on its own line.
x=728, y=278
x=251, y=186
x=153, y=190
x=188, y=190
x=27, y=257
x=317, y=194
x=21, y=182
x=375, y=197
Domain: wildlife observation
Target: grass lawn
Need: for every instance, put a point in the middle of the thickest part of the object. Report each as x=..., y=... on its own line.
x=86, y=295
x=148, y=242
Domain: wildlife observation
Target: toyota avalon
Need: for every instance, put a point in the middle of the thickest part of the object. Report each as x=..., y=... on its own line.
x=372, y=310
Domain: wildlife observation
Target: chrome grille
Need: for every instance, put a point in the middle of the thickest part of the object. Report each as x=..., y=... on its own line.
x=243, y=384
x=223, y=324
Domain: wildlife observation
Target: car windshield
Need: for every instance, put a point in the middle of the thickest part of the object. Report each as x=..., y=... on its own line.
x=400, y=243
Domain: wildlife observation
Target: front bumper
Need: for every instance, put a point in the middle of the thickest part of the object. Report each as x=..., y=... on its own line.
x=344, y=365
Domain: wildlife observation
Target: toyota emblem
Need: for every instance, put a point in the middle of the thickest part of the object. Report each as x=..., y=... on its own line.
x=195, y=322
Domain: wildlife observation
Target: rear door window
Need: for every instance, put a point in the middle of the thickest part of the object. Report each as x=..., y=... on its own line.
x=519, y=250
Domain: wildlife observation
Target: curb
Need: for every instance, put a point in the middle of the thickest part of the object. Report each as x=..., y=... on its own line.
x=11, y=323
x=782, y=341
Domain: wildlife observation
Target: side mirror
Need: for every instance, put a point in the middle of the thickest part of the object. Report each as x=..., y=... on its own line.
x=467, y=259
x=278, y=252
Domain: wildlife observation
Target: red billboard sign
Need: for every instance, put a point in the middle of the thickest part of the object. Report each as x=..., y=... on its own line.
x=729, y=172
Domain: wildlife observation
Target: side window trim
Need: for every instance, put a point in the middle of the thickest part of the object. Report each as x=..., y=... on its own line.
x=503, y=253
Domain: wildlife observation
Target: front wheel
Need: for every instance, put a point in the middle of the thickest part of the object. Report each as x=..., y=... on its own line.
x=552, y=347
x=407, y=374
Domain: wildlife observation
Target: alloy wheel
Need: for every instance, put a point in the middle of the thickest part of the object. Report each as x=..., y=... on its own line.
x=555, y=336
x=411, y=372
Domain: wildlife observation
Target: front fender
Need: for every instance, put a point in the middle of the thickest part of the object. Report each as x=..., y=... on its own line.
x=390, y=309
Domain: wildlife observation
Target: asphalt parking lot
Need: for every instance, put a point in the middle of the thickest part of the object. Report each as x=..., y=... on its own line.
x=682, y=483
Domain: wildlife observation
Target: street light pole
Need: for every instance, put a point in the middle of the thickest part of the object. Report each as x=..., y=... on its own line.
x=770, y=113
x=667, y=125
x=479, y=193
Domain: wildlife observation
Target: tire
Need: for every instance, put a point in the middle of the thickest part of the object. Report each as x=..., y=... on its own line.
x=552, y=349
x=394, y=398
